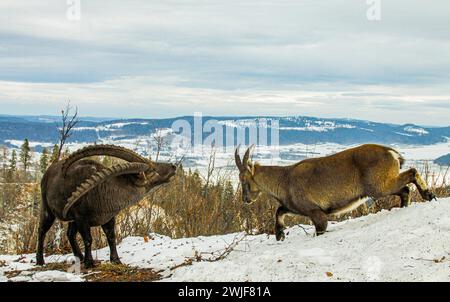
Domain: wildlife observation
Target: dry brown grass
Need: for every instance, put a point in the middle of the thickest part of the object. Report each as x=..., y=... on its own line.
x=188, y=207
x=108, y=272
x=103, y=272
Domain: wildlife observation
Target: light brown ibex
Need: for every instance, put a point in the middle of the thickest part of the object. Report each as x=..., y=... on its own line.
x=335, y=184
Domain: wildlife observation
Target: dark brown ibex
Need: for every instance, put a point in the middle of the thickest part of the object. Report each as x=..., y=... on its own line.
x=334, y=184
x=86, y=193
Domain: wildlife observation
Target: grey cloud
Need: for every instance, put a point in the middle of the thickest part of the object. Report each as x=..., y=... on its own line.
x=319, y=56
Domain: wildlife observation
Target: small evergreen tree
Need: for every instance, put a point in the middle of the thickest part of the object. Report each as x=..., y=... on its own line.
x=43, y=162
x=13, y=161
x=228, y=192
x=55, y=153
x=10, y=175
x=4, y=161
x=25, y=155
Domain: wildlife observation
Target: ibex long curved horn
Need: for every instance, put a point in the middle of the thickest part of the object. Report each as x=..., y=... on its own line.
x=102, y=176
x=237, y=159
x=109, y=150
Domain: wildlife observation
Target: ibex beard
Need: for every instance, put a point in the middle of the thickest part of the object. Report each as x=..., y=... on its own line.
x=330, y=185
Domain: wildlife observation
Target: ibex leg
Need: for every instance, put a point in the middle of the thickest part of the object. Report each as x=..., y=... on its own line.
x=422, y=186
x=320, y=220
x=45, y=223
x=85, y=232
x=108, y=228
x=72, y=235
x=405, y=196
x=279, y=223
x=411, y=176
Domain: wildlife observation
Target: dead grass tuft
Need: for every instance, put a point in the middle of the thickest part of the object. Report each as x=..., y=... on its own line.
x=103, y=272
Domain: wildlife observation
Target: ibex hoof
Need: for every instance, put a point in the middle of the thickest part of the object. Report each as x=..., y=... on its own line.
x=428, y=195
x=88, y=263
x=40, y=262
x=280, y=236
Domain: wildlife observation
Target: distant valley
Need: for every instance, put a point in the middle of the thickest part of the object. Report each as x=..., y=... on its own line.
x=292, y=130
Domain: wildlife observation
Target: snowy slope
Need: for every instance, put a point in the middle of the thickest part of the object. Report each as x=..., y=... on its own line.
x=411, y=244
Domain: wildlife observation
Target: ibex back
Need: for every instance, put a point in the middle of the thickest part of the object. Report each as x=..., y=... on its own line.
x=334, y=184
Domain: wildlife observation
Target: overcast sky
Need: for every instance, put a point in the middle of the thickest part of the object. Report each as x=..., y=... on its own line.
x=259, y=57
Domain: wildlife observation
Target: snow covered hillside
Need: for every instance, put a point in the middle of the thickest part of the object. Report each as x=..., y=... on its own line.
x=411, y=244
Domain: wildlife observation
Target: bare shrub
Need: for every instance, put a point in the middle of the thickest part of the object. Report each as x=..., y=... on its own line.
x=189, y=206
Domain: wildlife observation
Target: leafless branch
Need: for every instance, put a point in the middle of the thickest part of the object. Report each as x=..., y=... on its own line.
x=216, y=256
x=68, y=123
x=160, y=142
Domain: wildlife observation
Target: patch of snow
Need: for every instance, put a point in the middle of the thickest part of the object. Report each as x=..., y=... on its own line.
x=109, y=127
x=84, y=128
x=56, y=276
x=403, y=134
x=46, y=276
x=407, y=244
x=32, y=144
x=428, y=152
x=416, y=130
x=396, y=245
x=319, y=126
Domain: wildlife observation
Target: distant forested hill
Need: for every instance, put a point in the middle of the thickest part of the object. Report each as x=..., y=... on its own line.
x=443, y=160
x=293, y=129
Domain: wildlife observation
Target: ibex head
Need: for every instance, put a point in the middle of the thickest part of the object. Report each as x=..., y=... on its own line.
x=159, y=174
x=250, y=190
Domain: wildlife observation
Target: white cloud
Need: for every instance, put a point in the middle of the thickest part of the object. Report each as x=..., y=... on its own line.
x=149, y=97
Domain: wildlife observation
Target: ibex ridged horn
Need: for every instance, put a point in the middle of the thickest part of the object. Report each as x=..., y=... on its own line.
x=108, y=150
x=102, y=176
x=247, y=155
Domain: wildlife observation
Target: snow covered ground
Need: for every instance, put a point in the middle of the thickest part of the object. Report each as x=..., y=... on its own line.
x=411, y=244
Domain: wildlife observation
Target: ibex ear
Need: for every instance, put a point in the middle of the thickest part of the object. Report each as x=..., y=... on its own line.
x=251, y=167
x=153, y=175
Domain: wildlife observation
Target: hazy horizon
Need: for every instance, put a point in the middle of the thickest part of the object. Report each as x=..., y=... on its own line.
x=110, y=118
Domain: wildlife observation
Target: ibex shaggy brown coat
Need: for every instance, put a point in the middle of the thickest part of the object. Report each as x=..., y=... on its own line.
x=334, y=184
x=87, y=194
